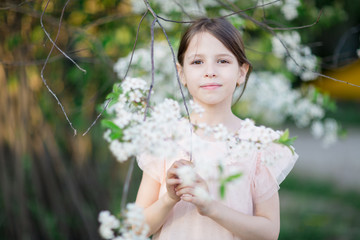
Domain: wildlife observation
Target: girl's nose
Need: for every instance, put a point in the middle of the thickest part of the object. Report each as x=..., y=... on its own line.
x=210, y=75
x=210, y=71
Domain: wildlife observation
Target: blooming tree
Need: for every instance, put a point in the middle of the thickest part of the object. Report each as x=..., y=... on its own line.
x=269, y=97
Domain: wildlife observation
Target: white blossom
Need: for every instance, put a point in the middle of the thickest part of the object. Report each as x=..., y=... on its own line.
x=201, y=193
x=130, y=84
x=132, y=227
x=122, y=150
x=289, y=9
x=107, y=223
x=123, y=118
x=317, y=129
x=187, y=174
x=107, y=135
x=220, y=132
x=326, y=130
x=134, y=217
x=196, y=108
x=299, y=58
x=331, y=132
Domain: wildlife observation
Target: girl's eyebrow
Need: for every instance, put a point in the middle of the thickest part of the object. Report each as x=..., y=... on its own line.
x=195, y=55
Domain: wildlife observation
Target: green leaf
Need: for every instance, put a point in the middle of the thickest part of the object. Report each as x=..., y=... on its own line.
x=222, y=190
x=285, y=140
x=232, y=177
x=117, y=89
x=315, y=96
x=109, y=124
x=112, y=95
x=116, y=135
x=285, y=136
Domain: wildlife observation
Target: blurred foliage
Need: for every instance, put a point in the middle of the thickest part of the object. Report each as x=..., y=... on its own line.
x=318, y=210
x=53, y=184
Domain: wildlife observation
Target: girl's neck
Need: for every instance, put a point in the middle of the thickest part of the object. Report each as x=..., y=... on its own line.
x=213, y=116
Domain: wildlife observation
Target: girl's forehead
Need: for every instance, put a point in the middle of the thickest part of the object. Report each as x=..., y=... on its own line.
x=206, y=43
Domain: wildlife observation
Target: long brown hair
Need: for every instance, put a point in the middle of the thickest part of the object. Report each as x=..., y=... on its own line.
x=225, y=32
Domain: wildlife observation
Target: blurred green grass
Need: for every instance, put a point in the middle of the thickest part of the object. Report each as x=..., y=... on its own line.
x=318, y=210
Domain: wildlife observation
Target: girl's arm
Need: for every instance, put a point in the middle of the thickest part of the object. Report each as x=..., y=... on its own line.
x=157, y=209
x=265, y=224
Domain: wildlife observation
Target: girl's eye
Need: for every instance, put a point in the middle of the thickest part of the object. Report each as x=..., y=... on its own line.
x=196, y=62
x=223, y=61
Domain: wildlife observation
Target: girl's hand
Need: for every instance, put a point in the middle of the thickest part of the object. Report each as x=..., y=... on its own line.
x=172, y=180
x=197, y=193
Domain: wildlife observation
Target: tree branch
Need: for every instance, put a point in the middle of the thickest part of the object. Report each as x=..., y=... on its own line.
x=271, y=30
x=127, y=70
x=52, y=48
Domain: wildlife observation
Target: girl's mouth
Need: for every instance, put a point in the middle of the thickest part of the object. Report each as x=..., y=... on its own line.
x=210, y=86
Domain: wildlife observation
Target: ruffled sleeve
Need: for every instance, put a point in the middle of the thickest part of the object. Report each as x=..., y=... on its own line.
x=152, y=166
x=273, y=164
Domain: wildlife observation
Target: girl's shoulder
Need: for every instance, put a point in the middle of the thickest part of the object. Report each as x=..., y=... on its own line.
x=268, y=148
x=248, y=130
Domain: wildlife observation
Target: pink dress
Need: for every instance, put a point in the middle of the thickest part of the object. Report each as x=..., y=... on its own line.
x=258, y=183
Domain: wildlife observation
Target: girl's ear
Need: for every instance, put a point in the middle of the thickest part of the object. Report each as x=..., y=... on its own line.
x=244, y=68
x=181, y=74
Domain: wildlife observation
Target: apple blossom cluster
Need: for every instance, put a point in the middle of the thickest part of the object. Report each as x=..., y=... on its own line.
x=128, y=133
x=299, y=59
x=326, y=130
x=186, y=174
x=131, y=227
x=272, y=100
x=108, y=223
x=287, y=7
x=268, y=97
x=247, y=140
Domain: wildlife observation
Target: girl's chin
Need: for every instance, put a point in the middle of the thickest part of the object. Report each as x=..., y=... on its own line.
x=210, y=102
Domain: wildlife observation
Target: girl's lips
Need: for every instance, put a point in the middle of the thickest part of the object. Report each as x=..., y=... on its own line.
x=210, y=86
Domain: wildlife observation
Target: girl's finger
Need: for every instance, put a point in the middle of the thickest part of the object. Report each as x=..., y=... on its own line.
x=173, y=181
x=185, y=190
x=189, y=198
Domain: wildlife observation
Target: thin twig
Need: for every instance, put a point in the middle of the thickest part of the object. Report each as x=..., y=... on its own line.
x=250, y=8
x=15, y=6
x=268, y=28
x=342, y=42
x=52, y=48
x=127, y=70
x=183, y=9
x=225, y=16
x=104, y=20
x=174, y=61
x=152, y=68
x=127, y=183
x=173, y=57
x=37, y=61
x=334, y=79
x=173, y=21
x=177, y=73
x=98, y=116
x=54, y=42
x=300, y=27
x=136, y=39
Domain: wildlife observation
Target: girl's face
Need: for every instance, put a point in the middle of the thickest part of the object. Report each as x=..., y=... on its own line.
x=210, y=71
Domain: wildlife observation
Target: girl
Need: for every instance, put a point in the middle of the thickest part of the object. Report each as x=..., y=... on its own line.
x=211, y=64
